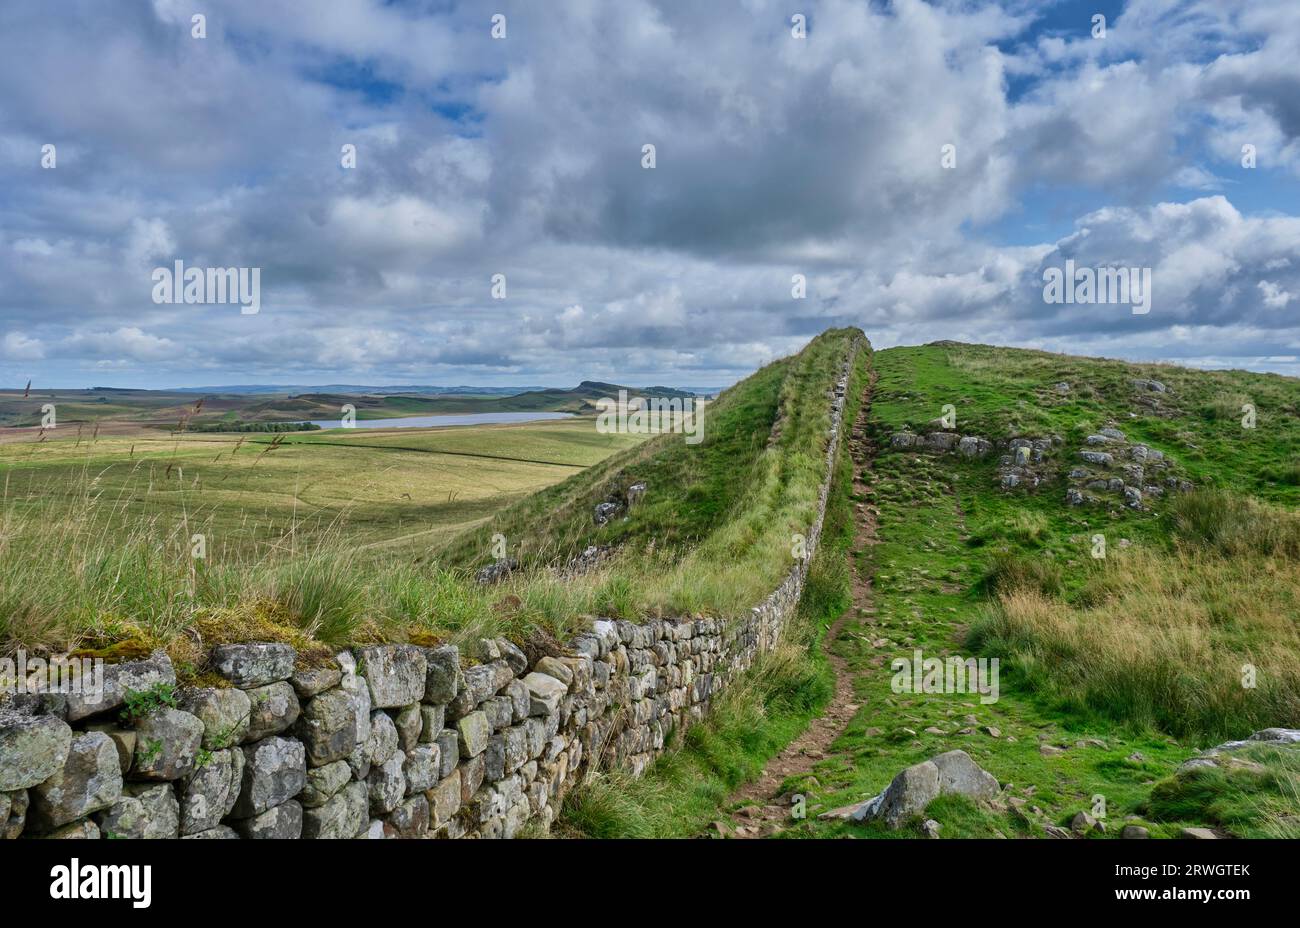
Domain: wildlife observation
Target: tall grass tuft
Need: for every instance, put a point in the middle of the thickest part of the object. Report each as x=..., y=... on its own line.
x=1165, y=638
x=1235, y=525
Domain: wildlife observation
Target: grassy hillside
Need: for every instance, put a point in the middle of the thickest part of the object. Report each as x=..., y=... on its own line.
x=1114, y=670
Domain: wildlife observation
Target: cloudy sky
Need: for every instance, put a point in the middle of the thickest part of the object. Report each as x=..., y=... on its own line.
x=775, y=155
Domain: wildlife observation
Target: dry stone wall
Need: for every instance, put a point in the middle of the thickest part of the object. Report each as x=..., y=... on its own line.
x=395, y=740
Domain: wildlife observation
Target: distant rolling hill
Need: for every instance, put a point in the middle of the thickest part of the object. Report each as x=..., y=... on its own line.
x=167, y=408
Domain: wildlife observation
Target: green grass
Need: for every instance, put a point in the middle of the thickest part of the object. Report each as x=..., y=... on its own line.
x=954, y=545
x=1253, y=795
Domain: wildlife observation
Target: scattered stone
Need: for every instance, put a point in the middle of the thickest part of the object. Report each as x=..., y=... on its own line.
x=1134, y=831
x=606, y=511
x=961, y=775
x=930, y=828
x=908, y=794
x=1200, y=834
x=496, y=572
x=916, y=786
x=973, y=446
x=1083, y=824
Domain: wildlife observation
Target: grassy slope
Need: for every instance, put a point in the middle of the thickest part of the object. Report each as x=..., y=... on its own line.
x=946, y=528
x=717, y=514
x=690, y=487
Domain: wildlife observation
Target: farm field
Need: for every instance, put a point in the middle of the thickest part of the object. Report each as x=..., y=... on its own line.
x=402, y=491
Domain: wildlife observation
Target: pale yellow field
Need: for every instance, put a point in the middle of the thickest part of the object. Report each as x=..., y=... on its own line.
x=402, y=490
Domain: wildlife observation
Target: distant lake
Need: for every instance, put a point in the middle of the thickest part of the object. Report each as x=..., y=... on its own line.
x=426, y=422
